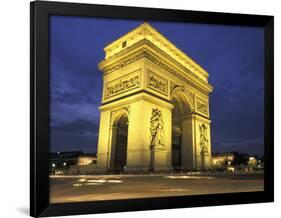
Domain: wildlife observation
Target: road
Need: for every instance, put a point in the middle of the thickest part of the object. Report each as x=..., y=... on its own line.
x=110, y=187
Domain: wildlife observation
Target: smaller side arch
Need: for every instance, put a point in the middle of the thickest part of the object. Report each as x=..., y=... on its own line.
x=119, y=114
x=119, y=139
x=180, y=95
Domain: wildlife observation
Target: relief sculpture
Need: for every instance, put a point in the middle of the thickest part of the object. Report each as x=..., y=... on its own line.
x=202, y=107
x=204, y=141
x=157, y=83
x=123, y=85
x=156, y=129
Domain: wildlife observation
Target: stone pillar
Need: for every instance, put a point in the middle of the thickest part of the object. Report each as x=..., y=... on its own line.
x=208, y=155
x=202, y=142
x=103, y=142
x=206, y=161
x=161, y=160
x=192, y=155
x=140, y=156
x=139, y=110
x=112, y=146
x=188, y=143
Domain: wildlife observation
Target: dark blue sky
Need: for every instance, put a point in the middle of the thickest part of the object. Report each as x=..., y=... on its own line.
x=232, y=55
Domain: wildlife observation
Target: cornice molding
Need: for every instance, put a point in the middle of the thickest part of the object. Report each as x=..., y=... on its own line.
x=146, y=31
x=145, y=49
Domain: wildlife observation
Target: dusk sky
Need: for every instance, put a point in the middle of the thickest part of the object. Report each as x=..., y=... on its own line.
x=232, y=55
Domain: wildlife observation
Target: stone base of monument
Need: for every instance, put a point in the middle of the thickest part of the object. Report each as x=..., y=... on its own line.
x=160, y=160
x=203, y=161
x=206, y=162
x=137, y=169
x=101, y=170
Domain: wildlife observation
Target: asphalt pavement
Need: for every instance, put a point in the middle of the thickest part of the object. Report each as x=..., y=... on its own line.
x=112, y=187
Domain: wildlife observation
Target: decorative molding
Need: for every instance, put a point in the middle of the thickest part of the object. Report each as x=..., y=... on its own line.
x=157, y=83
x=147, y=32
x=173, y=85
x=119, y=112
x=122, y=84
x=145, y=49
x=202, y=106
x=190, y=95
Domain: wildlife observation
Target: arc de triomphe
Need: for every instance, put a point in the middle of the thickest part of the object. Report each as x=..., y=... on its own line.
x=155, y=106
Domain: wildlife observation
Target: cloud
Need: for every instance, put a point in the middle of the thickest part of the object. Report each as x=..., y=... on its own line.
x=232, y=55
x=69, y=103
x=79, y=126
x=75, y=135
x=254, y=145
x=60, y=95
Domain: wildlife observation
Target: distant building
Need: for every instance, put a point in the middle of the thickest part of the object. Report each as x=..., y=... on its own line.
x=85, y=165
x=255, y=163
x=68, y=156
x=87, y=160
x=222, y=159
x=252, y=161
x=235, y=161
x=72, y=162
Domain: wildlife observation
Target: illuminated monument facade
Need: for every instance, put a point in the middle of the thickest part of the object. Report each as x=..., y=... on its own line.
x=155, y=106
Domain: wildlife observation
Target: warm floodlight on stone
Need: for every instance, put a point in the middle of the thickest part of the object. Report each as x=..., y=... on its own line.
x=155, y=106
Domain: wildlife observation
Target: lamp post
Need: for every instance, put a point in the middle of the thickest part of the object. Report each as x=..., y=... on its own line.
x=53, y=166
x=64, y=166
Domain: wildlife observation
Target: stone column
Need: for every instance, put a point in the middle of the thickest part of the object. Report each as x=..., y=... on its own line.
x=103, y=142
x=140, y=156
x=208, y=156
x=112, y=146
x=188, y=143
x=202, y=142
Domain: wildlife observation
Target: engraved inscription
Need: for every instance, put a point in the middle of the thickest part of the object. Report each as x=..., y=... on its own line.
x=157, y=83
x=122, y=85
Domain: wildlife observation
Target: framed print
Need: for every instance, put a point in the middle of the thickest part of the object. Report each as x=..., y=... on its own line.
x=142, y=109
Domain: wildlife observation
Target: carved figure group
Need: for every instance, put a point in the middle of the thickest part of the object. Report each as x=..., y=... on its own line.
x=156, y=129
x=203, y=138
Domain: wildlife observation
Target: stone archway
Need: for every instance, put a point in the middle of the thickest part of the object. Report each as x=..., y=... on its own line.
x=180, y=113
x=119, y=143
x=165, y=96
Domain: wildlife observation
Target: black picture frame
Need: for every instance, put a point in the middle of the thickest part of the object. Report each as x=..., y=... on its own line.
x=39, y=107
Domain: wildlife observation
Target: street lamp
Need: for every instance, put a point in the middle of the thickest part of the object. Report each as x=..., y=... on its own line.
x=64, y=167
x=53, y=165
